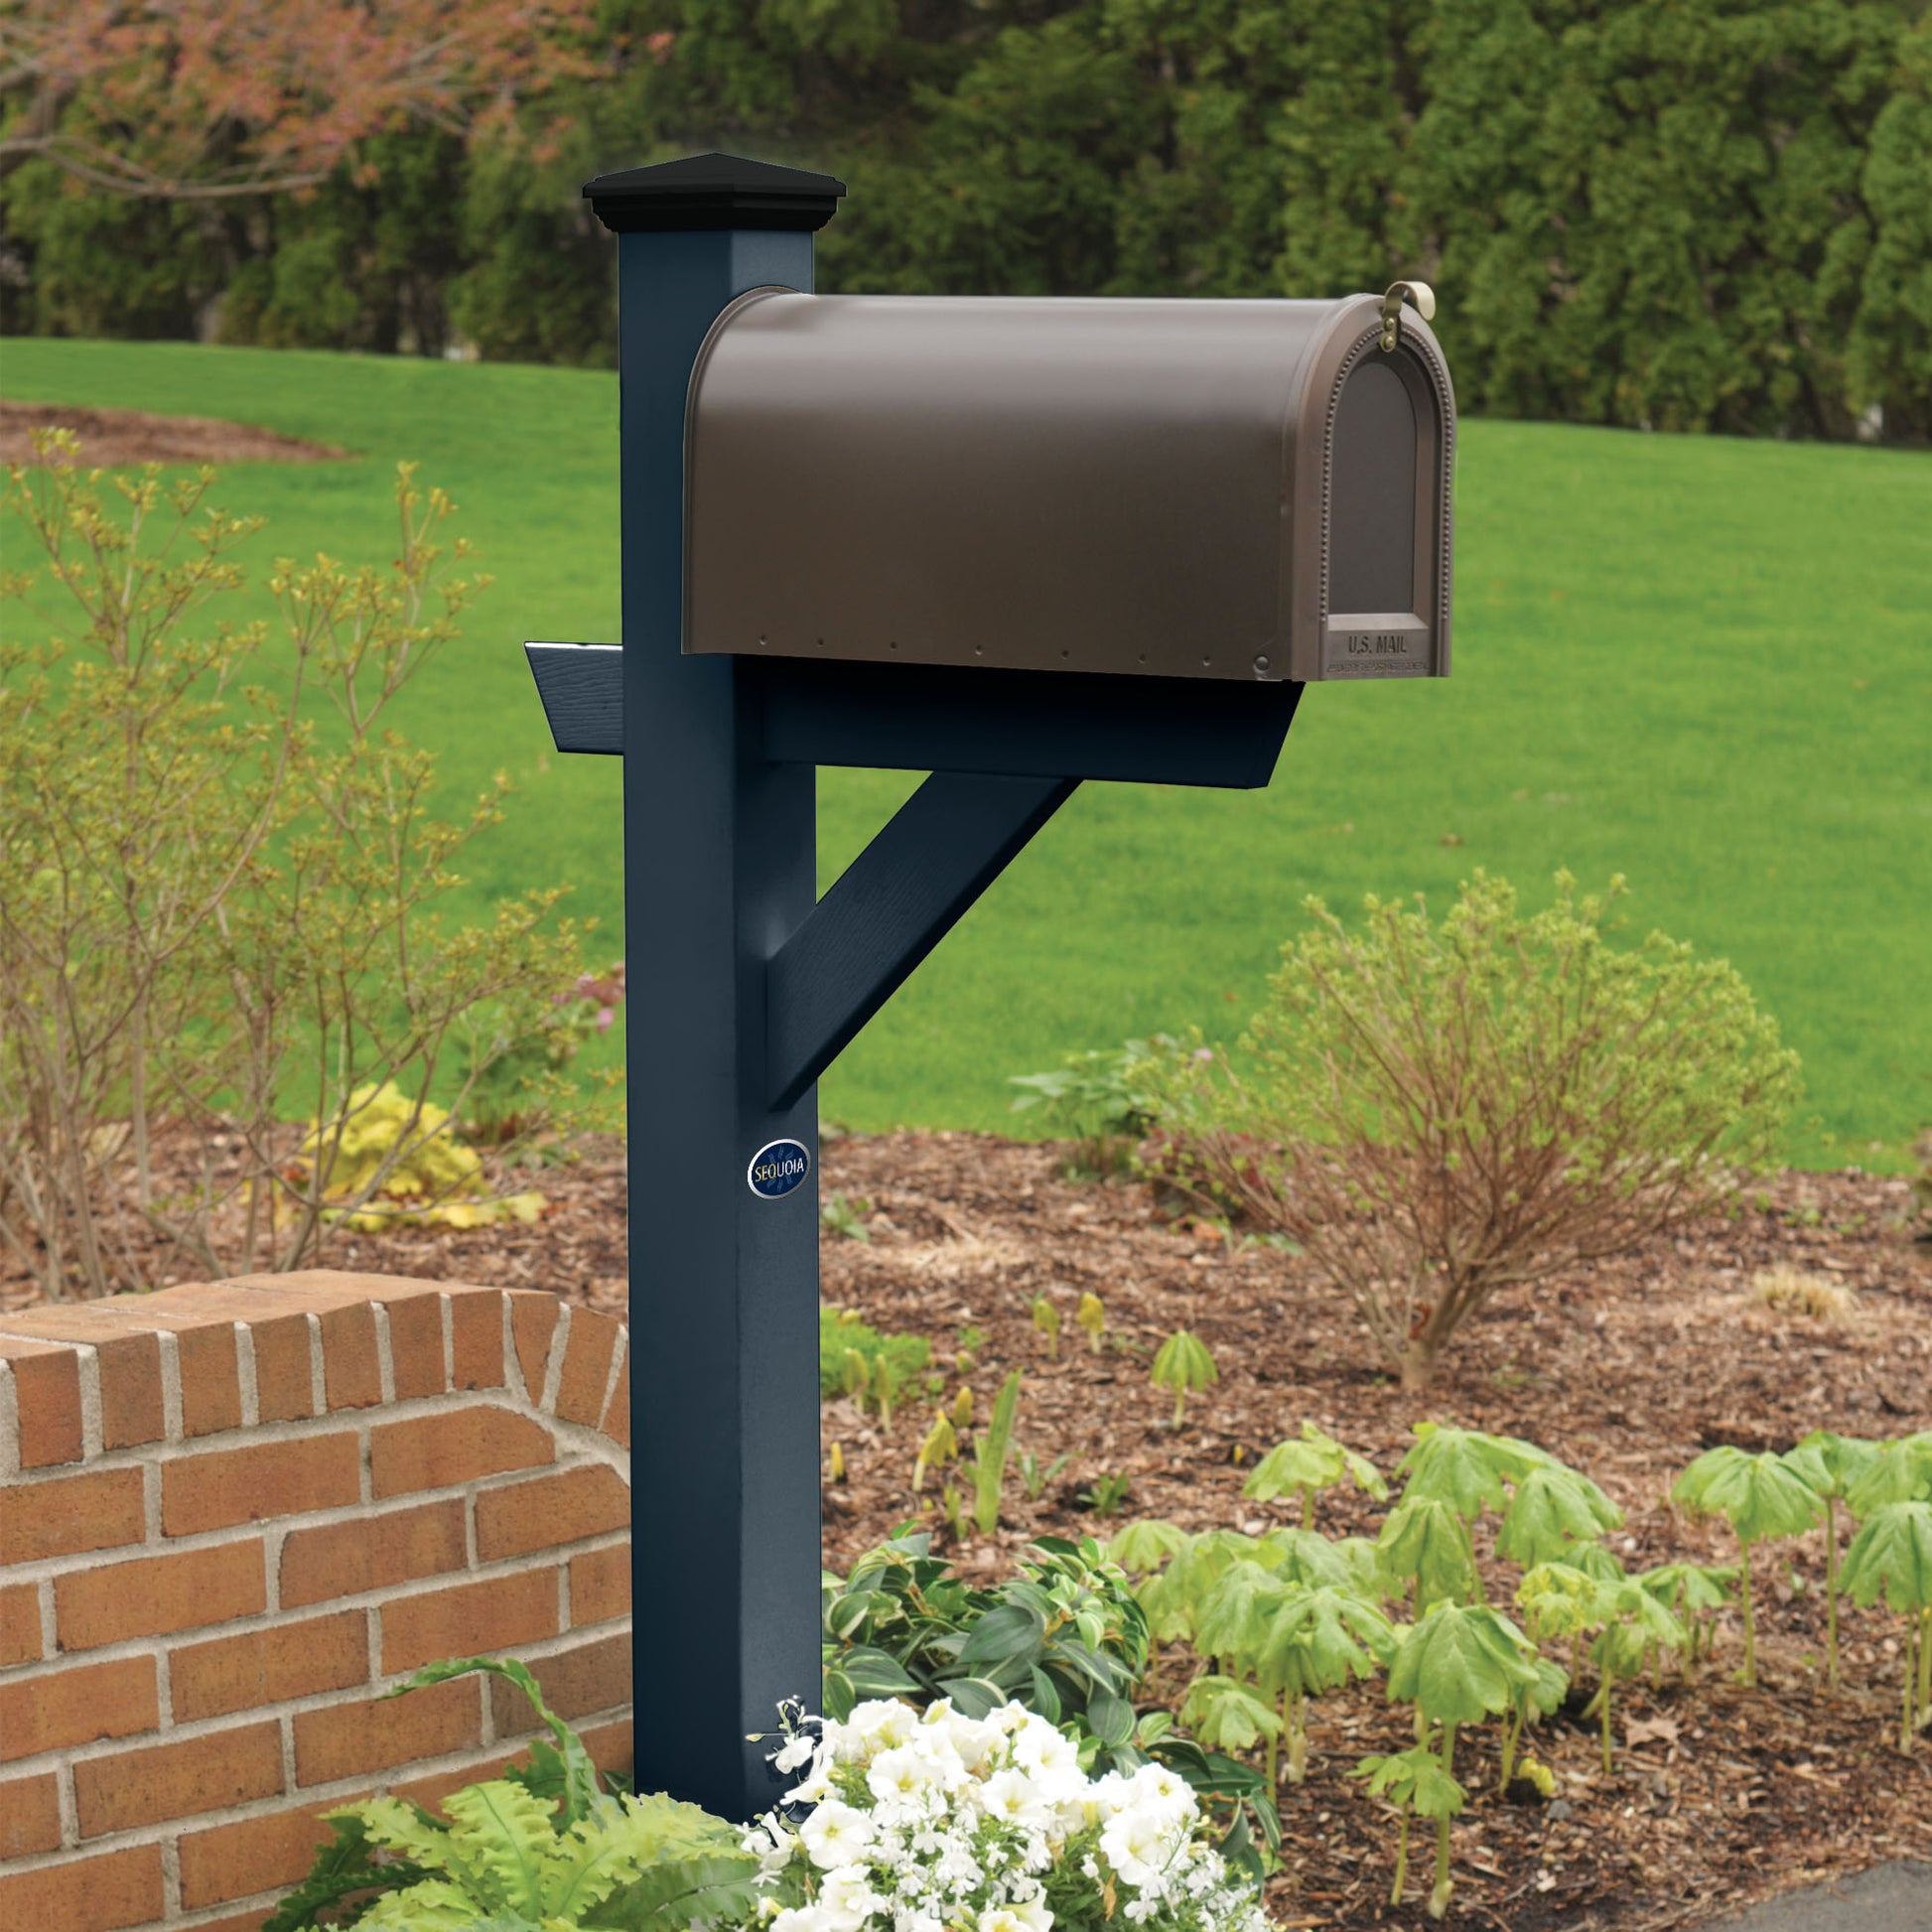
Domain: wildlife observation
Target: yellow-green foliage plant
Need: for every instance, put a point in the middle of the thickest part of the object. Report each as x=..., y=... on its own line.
x=1437, y=1110
x=1828, y=1465
x=395, y=1162
x=1182, y=1364
x=1762, y=1501
x=1891, y=1557
x=1304, y=1466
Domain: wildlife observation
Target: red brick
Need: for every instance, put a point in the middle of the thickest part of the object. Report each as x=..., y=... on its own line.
x=202, y=1320
x=240, y=1672
x=47, y=1386
x=600, y=1585
x=345, y=1740
x=617, y=1412
x=256, y=1855
x=457, y=1446
x=593, y=1340
x=153, y=1595
x=533, y=1319
x=124, y=1789
x=612, y=1746
x=240, y=1922
x=469, y=1620
x=62, y=1516
x=351, y=1373
x=60, y=1708
x=20, y=1624
x=548, y=1510
x=30, y=1816
x=476, y=1341
x=592, y=1677
x=371, y=1552
x=430, y=1792
x=94, y=1894
x=221, y=1488
x=284, y=1367
x=416, y=1345
x=130, y=1367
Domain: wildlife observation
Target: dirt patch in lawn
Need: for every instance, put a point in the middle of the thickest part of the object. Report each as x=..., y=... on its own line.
x=1718, y=1795
x=117, y=438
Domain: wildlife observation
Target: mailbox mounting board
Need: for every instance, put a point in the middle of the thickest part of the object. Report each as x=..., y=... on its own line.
x=1171, y=489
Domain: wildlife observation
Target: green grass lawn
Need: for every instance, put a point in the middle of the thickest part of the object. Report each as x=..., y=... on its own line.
x=1704, y=663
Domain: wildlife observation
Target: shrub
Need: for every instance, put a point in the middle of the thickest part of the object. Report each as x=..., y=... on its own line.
x=1106, y=1100
x=221, y=887
x=1434, y=1112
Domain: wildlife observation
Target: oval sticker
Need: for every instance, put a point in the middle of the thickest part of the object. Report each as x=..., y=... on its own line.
x=777, y=1169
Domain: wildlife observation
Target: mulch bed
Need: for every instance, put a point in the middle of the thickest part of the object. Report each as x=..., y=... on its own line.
x=1718, y=1795
x=117, y=438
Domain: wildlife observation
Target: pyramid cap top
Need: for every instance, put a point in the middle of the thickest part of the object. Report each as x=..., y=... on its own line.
x=713, y=191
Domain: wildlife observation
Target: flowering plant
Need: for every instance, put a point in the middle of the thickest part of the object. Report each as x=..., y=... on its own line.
x=930, y=1820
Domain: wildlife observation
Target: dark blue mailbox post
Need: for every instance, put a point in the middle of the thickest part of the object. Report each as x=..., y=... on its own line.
x=1009, y=544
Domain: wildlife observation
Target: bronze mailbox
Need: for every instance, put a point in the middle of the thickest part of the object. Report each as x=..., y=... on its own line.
x=1174, y=489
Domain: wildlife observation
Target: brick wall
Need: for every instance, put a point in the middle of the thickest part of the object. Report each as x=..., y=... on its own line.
x=231, y=1515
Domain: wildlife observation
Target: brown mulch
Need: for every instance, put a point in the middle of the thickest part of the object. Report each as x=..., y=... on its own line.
x=1718, y=1795
x=113, y=437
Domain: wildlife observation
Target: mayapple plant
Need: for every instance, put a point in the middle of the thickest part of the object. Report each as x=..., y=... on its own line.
x=1762, y=1499
x=1414, y=1783
x=1694, y=1593
x=1092, y=1316
x=1828, y=1465
x=1891, y=1556
x=1184, y=1365
x=1306, y=1467
x=1046, y=1319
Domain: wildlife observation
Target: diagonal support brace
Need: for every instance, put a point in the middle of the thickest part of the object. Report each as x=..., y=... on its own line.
x=894, y=903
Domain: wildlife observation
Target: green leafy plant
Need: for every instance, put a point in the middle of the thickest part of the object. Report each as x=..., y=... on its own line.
x=1034, y=1475
x=1891, y=1557
x=1182, y=1364
x=840, y=1331
x=1092, y=1318
x=1828, y=1465
x=1762, y=1499
x=938, y=1447
x=1109, y=1492
x=1306, y=1466
x=1103, y=1098
x=846, y=1217
x=1416, y=1784
x=1695, y=1594
x=547, y=1848
x=1046, y=1319
x=1438, y=1111
x=989, y=1454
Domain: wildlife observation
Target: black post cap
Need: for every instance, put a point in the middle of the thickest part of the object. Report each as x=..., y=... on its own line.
x=713, y=191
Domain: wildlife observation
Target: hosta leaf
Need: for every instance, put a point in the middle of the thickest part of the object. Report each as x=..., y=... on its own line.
x=1553, y=1509
x=1424, y=1539
x=1755, y=1495
x=974, y=1697
x=1459, y=1663
x=1110, y=1718
x=1891, y=1555
x=1014, y=1630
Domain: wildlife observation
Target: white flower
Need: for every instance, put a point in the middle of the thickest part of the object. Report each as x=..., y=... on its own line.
x=834, y=1835
x=882, y=1724
x=1044, y=1753
x=1033, y=1913
x=802, y=1918
x=1014, y=1798
x=848, y=1899
x=902, y=1776
x=796, y=1750
x=1138, y=1844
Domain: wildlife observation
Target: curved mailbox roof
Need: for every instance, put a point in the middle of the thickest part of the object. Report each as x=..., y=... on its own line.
x=1164, y=487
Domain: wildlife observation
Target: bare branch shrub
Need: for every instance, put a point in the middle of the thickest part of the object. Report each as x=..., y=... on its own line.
x=220, y=880
x=1437, y=1111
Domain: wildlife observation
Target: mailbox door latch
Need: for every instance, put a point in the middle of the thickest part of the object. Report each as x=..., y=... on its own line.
x=1420, y=294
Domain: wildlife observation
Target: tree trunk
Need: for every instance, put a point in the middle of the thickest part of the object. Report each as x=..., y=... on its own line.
x=1417, y=1362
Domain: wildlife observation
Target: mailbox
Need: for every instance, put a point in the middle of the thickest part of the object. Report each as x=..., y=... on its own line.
x=1171, y=489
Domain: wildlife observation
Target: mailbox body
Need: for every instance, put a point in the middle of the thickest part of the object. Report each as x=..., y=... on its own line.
x=1171, y=489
